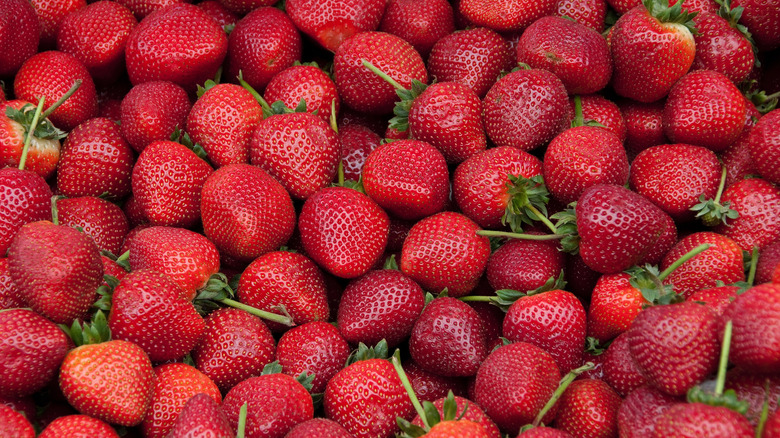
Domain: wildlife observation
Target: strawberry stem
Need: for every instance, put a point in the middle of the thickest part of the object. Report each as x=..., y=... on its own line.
x=493, y=233
x=55, y=217
x=281, y=319
x=409, y=390
x=579, y=119
x=374, y=69
x=687, y=256
x=565, y=382
x=241, y=429
x=263, y=104
x=30, y=133
x=333, y=125
x=725, y=347
x=53, y=107
x=477, y=299
x=751, y=278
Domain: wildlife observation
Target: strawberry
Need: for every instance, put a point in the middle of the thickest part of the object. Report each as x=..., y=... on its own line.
x=620, y=370
x=614, y=303
x=524, y=265
x=221, y=14
x=588, y=408
x=756, y=390
x=50, y=17
x=754, y=200
x=318, y=427
x=101, y=220
x=717, y=298
x=245, y=212
x=652, y=47
x=578, y=55
x=601, y=110
x=13, y=424
x=473, y=57
x=163, y=47
x=330, y=22
x=443, y=251
x=514, y=382
x=167, y=179
x=680, y=355
x=644, y=124
x=429, y=386
x=382, y=304
x=755, y=345
x=675, y=176
x=772, y=425
x=263, y=43
x=768, y=260
x=31, y=352
x=275, y=403
x=243, y=7
x=589, y=13
x=689, y=420
x=43, y=152
x=174, y=385
x=95, y=161
x=543, y=432
x=10, y=297
x=56, y=270
x=464, y=410
x=19, y=35
x=764, y=146
x=457, y=428
x=360, y=88
x=216, y=355
x=525, y=109
x=146, y=298
x=308, y=83
x=505, y=15
x=28, y=200
x=762, y=20
x=184, y=256
x=300, y=150
x=151, y=111
x=100, y=48
x=112, y=381
x=357, y=141
x=222, y=120
x=722, y=47
x=201, y=415
x=640, y=410
x=78, y=425
x=313, y=348
x=350, y=250
x=421, y=24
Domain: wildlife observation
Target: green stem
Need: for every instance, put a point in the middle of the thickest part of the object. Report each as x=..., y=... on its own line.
x=55, y=217
x=579, y=120
x=263, y=104
x=720, y=383
x=409, y=390
x=71, y=90
x=542, y=218
x=721, y=185
x=775, y=95
x=382, y=75
x=477, y=299
x=565, y=382
x=240, y=430
x=492, y=233
x=333, y=124
x=340, y=173
x=31, y=133
x=281, y=319
x=753, y=265
x=687, y=256
x=764, y=414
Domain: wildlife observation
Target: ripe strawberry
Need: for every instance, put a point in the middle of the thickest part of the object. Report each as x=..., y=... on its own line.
x=429, y=386
x=178, y=326
x=544, y=432
x=755, y=389
x=675, y=176
x=382, y=304
x=51, y=74
x=693, y=420
x=30, y=353
x=525, y=109
x=201, y=415
x=588, y=408
x=308, y=83
x=10, y=298
x=357, y=141
x=644, y=124
x=772, y=425
x=100, y=48
x=174, y=385
x=652, y=47
x=245, y=212
x=50, y=17
x=513, y=384
x=184, y=256
x=620, y=370
x=465, y=410
x=762, y=20
x=421, y=24
x=13, y=424
x=505, y=15
x=56, y=270
x=243, y=7
x=755, y=345
x=350, y=250
x=78, y=425
x=112, y=381
x=755, y=200
x=524, y=265
x=95, y=161
x=721, y=47
x=360, y=88
x=443, y=251
x=675, y=367
x=331, y=22
x=263, y=43
x=313, y=348
x=179, y=43
x=220, y=13
x=318, y=427
x=601, y=110
x=19, y=35
x=768, y=260
x=300, y=150
x=43, y=153
x=614, y=304
x=151, y=111
x=717, y=298
x=167, y=179
x=101, y=220
x=28, y=200
x=589, y=13
x=216, y=355
x=764, y=146
x=640, y=410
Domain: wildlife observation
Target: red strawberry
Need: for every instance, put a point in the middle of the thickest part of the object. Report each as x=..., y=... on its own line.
x=614, y=304
x=221, y=14
x=357, y=141
x=308, y=83
x=56, y=269
x=13, y=424
x=772, y=425
x=644, y=124
x=601, y=110
x=755, y=201
x=764, y=146
x=620, y=370
x=330, y=22
x=101, y=220
x=589, y=13
x=300, y=150
x=693, y=420
x=313, y=348
x=112, y=381
x=200, y=415
x=318, y=427
x=755, y=344
x=421, y=24
x=78, y=425
x=10, y=297
x=100, y=48
x=465, y=410
x=151, y=111
x=50, y=16
x=718, y=298
x=43, y=153
x=525, y=109
x=429, y=386
x=350, y=250
x=179, y=43
x=28, y=200
x=505, y=15
x=382, y=304
x=244, y=6
x=762, y=20
x=544, y=432
x=649, y=53
x=19, y=34
x=262, y=44
x=167, y=179
x=755, y=389
x=722, y=47
x=245, y=212
x=457, y=428
x=96, y=161
x=640, y=410
x=768, y=260
x=588, y=408
x=737, y=160
x=524, y=265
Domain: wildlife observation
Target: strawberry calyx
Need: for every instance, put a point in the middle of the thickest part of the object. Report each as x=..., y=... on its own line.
x=661, y=11
x=733, y=15
x=184, y=139
x=391, y=263
x=364, y=352
x=528, y=198
x=764, y=102
x=95, y=331
x=711, y=211
x=649, y=280
x=564, y=383
x=400, y=121
x=305, y=379
x=566, y=224
x=218, y=292
x=595, y=348
x=504, y=298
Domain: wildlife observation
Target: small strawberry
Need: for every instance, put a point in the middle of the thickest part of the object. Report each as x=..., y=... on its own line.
x=640, y=410
x=308, y=83
x=588, y=408
x=764, y=146
x=421, y=24
x=524, y=265
x=14, y=424
x=78, y=425
x=330, y=22
x=620, y=370
x=601, y=110
x=693, y=420
x=19, y=35
x=505, y=15
x=313, y=348
x=429, y=386
x=43, y=152
x=357, y=141
x=755, y=345
x=151, y=111
x=755, y=200
x=590, y=13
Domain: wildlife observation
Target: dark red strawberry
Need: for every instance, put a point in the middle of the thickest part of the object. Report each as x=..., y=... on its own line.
x=75, y=425
x=764, y=146
x=420, y=23
x=755, y=200
x=50, y=17
x=29, y=200
x=644, y=124
x=524, y=265
x=245, y=6
x=762, y=20
x=693, y=420
x=755, y=344
x=640, y=410
x=318, y=427
x=20, y=33
x=201, y=414
x=14, y=424
x=429, y=386
x=357, y=141
x=505, y=15
x=313, y=348
x=151, y=111
x=590, y=13
x=588, y=408
x=308, y=83
x=99, y=219
x=620, y=370
x=330, y=22
x=722, y=47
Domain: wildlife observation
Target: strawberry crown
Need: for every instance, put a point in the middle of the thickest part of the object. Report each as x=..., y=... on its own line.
x=402, y=107
x=660, y=10
x=504, y=298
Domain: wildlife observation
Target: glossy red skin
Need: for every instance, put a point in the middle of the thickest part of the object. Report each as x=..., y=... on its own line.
x=505, y=15
x=10, y=297
x=614, y=304
x=479, y=183
x=675, y=346
x=201, y=413
x=72, y=425
x=263, y=43
x=525, y=109
x=756, y=200
x=644, y=124
x=51, y=15
x=42, y=154
x=366, y=397
x=243, y=7
x=174, y=385
x=429, y=386
x=640, y=410
x=764, y=146
x=29, y=200
x=142, y=8
x=690, y=420
x=19, y=35
x=313, y=348
x=768, y=260
x=755, y=389
x=473, y=57
x=219, y=12
x=673, y=176
x=762, y=19
x=737, y=160
x=420, y=23
x=722, y=48
x=95, y=161
x=620, y=370
x=469, y=411
x=357, y=142
x=755, y=344
x=308, y=83
x=101, y=220
x=318, y=427
x=281, y=278
x=524, y=265
x=717, y=298
x=161, y=48
x=648, y=56
x=590, y=13
x=382, y=304
x=601, y=110
x=361, y=89
x=146, y=298
x=151, y=111
x=14, y=424
x=331, y=22
x=589, y=407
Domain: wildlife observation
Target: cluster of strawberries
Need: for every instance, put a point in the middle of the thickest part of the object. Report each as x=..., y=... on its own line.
x=379, y=218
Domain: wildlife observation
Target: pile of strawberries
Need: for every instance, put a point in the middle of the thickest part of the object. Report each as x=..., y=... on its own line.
x=379, y=218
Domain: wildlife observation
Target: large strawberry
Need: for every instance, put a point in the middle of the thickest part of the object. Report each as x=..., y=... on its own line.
x=101, y=220
x=505, y=15
x=421, y=24
x=19, y=34
x=151, y=111
x=75, y=425
x=330, y=22
x=764, y=146
x=313, y=348
x=755, y=344
x=721, y=46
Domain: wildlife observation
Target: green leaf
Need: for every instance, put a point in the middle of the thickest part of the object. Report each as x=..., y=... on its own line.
x=409, y=430
x=712, y=212
x=364, y=352
x=306, y=379
x=272, y=368
x=566, y=223
x=527, y=203
x=727, y=400
x=391, y=263
x=661, y=10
